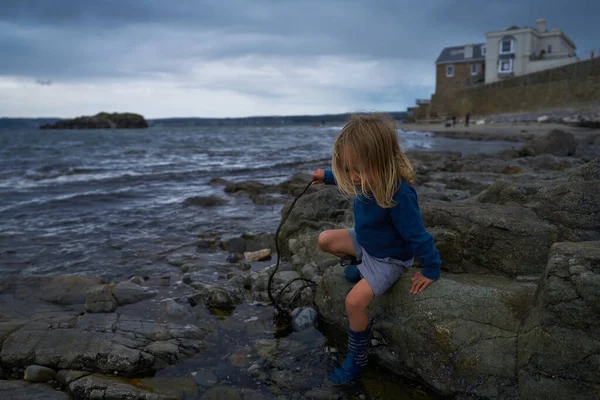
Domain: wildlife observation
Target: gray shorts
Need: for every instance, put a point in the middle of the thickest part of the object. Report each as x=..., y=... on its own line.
x=380, y=273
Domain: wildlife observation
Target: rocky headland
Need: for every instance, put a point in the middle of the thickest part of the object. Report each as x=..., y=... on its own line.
x=101, y=121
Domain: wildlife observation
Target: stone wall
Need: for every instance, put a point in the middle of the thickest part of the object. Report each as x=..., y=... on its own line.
x=445, y=85
x=569, y=86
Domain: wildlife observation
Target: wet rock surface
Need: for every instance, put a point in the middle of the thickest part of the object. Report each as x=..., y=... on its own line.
x=506, y=226
x=518, y=236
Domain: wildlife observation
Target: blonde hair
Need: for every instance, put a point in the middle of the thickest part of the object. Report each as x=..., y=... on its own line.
x=372, y=144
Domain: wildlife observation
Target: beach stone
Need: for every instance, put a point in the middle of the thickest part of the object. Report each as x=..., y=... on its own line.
x=265, y=347
x=245, y=266
x=100, y=299
x=215, y=297
x=259, y=255
x=222, y=393
x=205, y=378
x=30, y=391
x=37, y=373
x=556, y=142
x=187, y=279
x=66, y=376
x=128, y=293
x=204, y=201
x=170, y=387
x=253, y=187
x=234, y=258
x=175, y=309
x=167, y=350
x=304, y=318
x=309, y=271
x=138, y=280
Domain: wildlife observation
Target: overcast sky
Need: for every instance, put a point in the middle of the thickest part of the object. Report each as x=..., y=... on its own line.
x=222, y=58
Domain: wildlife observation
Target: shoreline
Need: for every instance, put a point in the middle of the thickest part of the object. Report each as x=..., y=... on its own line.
x=500, y=131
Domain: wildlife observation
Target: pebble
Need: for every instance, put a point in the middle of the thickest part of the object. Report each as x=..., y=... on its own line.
x=37, y=373
x=306, y=318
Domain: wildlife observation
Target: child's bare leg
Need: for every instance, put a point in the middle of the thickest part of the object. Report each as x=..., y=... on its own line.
x=357, y=302
x=336, y=242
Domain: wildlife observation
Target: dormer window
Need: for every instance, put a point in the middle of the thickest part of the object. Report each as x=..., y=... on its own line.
x=507, y=46
x=483, y=50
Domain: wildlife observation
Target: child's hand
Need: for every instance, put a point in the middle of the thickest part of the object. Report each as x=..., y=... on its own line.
x=318, y=176
x=419, y=283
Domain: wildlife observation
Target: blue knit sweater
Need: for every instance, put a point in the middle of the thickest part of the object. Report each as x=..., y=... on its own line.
x=396, y=232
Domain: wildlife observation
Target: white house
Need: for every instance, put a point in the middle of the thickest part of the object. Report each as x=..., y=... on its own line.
x=518, y=51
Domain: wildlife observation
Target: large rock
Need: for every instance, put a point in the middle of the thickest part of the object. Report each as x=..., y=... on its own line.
x=557, y=142
x=37, y=373
x=101, y=121
x=72, y=349
x=571, y=203
x=100, y=299
x=128, y=293
x=29, y=391
x=559, y=345
x=139, y=338
x=313, y=213
x=104, y=387
x=62, y=290
x=459, y=335
x=504, y=239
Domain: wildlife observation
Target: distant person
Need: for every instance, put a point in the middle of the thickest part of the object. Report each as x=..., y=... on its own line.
x=467, y=118
x=388, y=229
x=454, y=120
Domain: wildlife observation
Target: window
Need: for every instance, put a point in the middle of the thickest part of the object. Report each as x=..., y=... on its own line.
x=507, y=46
x=505, y=66
x=483, y=50
x=450, y=70
x=474, y=69
x=549, y=48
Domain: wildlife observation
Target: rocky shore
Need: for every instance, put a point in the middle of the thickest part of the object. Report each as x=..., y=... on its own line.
x=515, y=314
x=101, y=121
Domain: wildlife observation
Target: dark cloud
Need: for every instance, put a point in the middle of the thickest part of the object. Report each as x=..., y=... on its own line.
x=87, y=39
x=91, y=41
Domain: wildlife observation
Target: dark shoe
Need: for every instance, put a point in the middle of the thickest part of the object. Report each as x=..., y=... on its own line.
x=356, y=361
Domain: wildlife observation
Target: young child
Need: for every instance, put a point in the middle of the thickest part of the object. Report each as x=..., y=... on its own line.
x=388, y=230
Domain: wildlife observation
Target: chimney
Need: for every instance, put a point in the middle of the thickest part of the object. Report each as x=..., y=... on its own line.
x=540, y=25
x=468, y=51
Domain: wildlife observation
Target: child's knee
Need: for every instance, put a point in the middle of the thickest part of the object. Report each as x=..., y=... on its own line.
x=356, y=303
x=324, y=241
